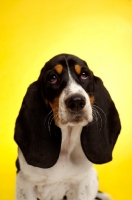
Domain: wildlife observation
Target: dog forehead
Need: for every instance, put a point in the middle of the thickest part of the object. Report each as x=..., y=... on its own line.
x=64, y=60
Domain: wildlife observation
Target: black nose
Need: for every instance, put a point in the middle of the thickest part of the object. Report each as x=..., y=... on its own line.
x=75, y=102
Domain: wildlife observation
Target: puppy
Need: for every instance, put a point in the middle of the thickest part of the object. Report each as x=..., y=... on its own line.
x=66, y=123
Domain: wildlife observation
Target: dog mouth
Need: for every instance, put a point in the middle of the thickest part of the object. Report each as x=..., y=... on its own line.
x=75, y=118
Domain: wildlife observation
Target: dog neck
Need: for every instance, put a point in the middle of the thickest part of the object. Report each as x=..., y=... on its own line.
x=70, y=139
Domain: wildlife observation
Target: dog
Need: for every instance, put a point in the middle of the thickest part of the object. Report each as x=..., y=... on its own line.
x=67, y=123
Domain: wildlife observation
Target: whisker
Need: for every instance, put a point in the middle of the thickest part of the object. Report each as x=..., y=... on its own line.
x=50, y=121
x=100, y=120
x=97, y=116
x=100, y=110
x=50, y=113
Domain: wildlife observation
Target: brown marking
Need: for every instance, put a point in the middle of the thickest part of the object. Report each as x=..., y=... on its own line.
x=55, y=107
x=91, y=99
x=59, y=68
x=78, y=69
x=46, y=102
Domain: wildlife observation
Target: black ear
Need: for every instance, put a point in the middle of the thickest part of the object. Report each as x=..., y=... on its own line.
x=99, y=137
x=38, y=138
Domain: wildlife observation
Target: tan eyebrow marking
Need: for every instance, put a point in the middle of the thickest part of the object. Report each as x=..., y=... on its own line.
x=59, y=68
x=78, y=69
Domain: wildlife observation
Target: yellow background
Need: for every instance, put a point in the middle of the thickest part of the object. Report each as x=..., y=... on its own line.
x=100, y=32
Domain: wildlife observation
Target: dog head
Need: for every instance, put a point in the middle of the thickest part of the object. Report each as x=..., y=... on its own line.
x=67, y=86
x=66, y=94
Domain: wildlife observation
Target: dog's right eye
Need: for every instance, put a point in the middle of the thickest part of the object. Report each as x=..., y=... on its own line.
x=53, y=79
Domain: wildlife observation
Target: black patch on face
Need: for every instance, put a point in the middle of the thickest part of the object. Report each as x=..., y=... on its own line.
x=53, y=91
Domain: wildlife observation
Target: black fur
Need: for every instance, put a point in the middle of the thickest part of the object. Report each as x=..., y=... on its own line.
x=41, y=145
x=98, y=138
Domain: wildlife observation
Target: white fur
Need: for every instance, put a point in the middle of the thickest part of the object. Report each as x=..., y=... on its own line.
x=73, y=174
x=64, y=116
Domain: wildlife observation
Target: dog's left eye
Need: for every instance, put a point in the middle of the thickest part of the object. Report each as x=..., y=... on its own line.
x=53, y=79
x=84, y=75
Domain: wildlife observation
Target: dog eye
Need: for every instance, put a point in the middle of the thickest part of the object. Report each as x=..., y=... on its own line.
x=53, y=79
x=84, y=76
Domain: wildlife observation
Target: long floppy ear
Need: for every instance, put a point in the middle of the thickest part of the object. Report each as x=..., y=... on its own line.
x=38, y=138
x=99, y=137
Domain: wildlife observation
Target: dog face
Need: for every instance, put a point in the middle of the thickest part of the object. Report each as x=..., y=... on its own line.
x=67, y=86
x=66, y=94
